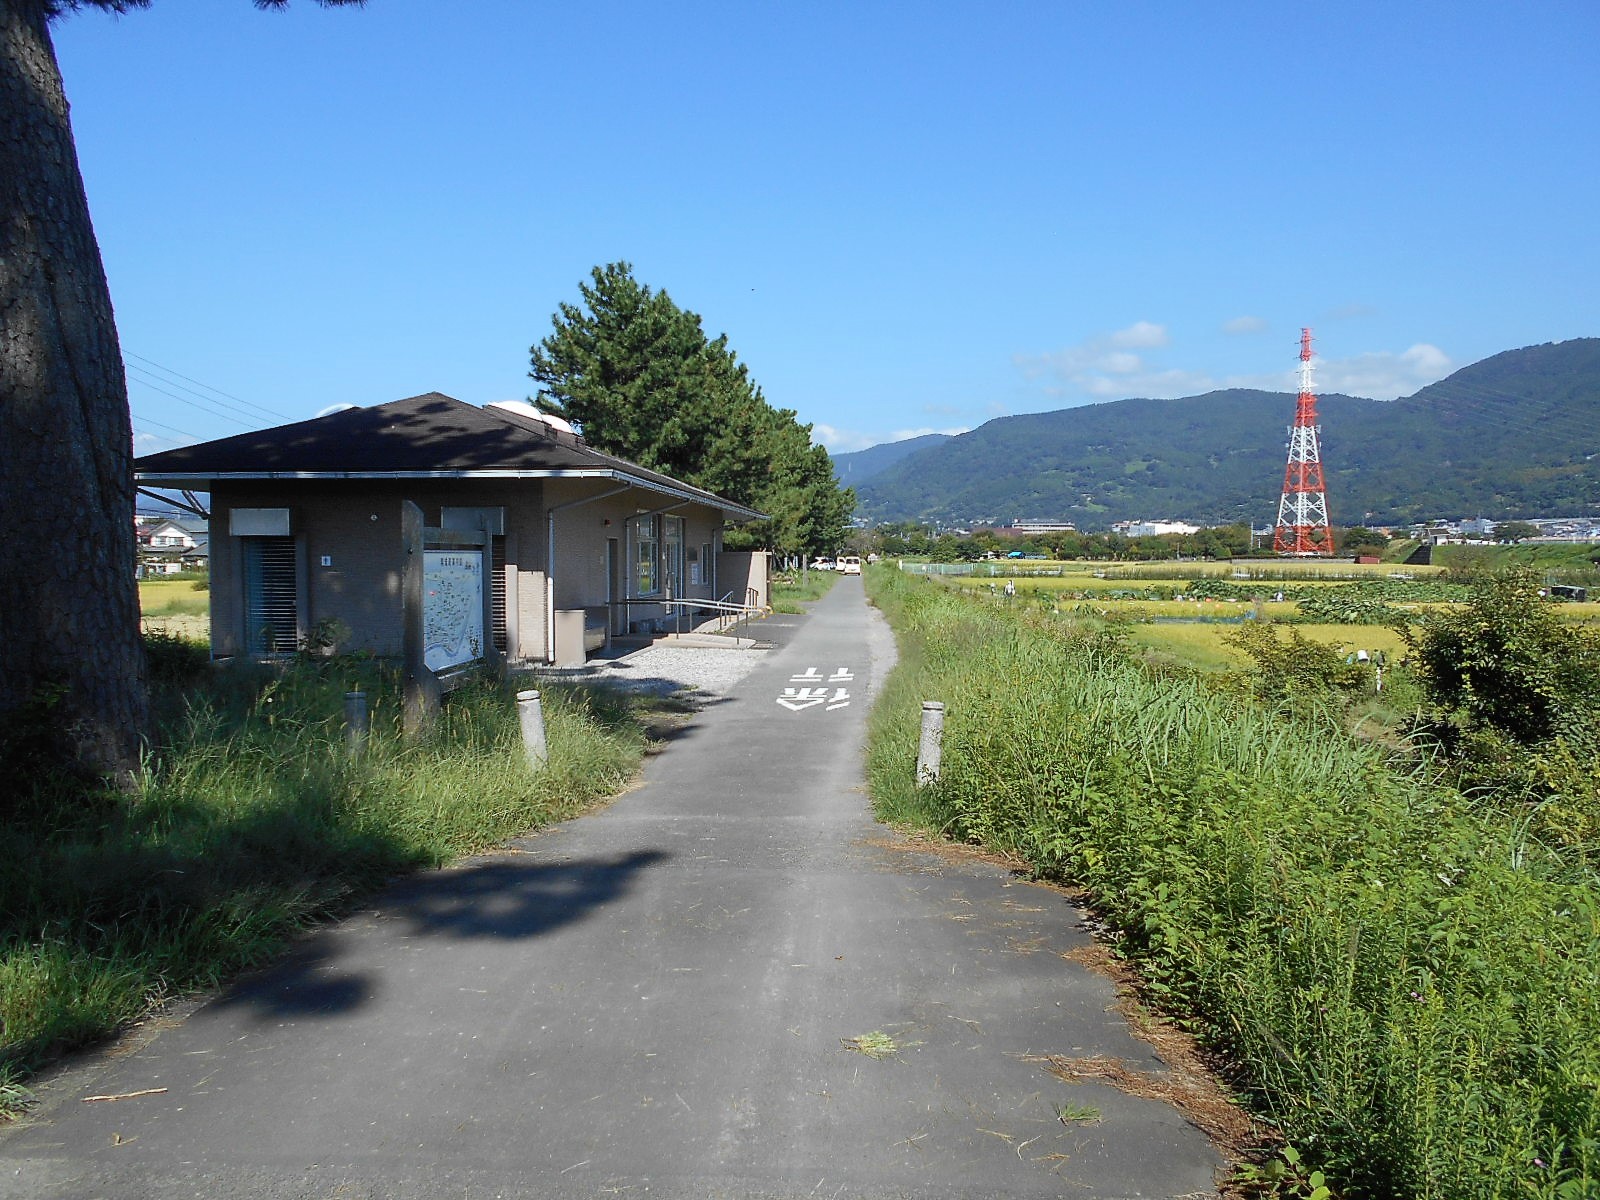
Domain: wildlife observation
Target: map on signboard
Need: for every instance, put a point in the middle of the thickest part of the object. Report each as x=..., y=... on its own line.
x=452, y=607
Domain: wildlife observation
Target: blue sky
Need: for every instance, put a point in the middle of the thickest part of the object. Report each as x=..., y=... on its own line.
x=905, y=217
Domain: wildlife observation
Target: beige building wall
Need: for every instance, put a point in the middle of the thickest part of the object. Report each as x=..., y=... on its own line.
x=355, y=526
x=742, y=569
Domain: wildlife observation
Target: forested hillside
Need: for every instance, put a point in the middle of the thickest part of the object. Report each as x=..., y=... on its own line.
x=860, y=465
x=1516, y=435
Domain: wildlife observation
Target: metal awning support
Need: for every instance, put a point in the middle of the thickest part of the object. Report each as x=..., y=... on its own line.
x=189, y=503
x=550, y=564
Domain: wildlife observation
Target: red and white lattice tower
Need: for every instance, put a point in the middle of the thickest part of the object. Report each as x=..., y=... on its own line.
x=1302, y=527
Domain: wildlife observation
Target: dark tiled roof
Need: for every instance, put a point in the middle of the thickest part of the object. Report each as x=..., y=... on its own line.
x=428, y=435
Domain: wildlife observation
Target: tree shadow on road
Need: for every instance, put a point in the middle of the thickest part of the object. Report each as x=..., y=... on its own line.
x=497, y=899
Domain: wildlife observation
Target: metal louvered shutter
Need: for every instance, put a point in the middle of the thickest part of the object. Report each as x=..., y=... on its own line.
x=270, y=589
x=497, y=590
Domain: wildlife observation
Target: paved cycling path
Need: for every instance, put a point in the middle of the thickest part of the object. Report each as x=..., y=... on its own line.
x=654, y=1001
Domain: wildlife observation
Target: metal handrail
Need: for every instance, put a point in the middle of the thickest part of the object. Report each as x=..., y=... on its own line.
x=736, y=614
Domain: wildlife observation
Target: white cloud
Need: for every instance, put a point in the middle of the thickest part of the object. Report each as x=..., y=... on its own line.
x=333, y=408
x=1152, y=384
x=1106, y=366
x=1383, y=375
x=1141, y=335
x=901, y=435
x=1086, y=366
x=1120, y=362
x=847, y=441
x=154, y=443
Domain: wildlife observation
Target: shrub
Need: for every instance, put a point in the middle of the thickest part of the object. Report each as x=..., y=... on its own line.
x=1295, y=672
x=1507, y=661
x=173, y=661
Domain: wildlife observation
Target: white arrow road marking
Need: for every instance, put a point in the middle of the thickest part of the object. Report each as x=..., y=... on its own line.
x=795, y=699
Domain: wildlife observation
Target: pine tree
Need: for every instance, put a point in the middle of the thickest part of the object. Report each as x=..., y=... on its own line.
x=645, y=383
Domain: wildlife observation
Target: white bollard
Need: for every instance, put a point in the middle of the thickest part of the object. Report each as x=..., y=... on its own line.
x=531, y=715
x=356, y=723
x=930, y=748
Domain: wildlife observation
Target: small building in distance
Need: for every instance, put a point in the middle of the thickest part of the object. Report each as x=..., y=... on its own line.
x=314, y=527
x=167, y=545
x=1037, y=528
x=1135, y=529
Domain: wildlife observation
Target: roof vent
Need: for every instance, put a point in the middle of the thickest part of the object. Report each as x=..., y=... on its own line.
x=527, y=411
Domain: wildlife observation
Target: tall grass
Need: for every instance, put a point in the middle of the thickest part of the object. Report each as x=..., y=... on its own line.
x=792, y=589
x=253, y=820
x=1411, y=982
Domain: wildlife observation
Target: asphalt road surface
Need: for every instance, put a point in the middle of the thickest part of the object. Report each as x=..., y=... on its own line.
x=674, y=997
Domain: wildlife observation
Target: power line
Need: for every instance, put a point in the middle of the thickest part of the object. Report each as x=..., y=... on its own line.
x=138, y=420
x=208, y=410
x=208, y=388
x=137, y=374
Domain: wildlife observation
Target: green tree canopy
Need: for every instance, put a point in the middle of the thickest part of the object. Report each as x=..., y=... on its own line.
x=1358, y=539
x=639, y=375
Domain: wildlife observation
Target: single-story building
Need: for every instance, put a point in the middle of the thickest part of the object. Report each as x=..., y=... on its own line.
x=312, y=527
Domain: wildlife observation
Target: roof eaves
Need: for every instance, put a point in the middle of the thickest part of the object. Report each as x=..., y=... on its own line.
x=638, y=476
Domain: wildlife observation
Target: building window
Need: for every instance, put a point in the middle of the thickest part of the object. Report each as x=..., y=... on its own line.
x=674, y=558
x=271, y=619
x=645, y=533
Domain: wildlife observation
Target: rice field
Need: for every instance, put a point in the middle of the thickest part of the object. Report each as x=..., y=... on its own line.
x=172, y=606
x=1193, y=630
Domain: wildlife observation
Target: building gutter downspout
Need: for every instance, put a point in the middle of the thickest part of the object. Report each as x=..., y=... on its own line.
x=550, y=565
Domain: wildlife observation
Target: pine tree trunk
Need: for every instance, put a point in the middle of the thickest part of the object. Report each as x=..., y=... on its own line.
x=69, y=622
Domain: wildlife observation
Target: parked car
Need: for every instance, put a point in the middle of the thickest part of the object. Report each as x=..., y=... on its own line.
x=822, y=564
x=850, y=564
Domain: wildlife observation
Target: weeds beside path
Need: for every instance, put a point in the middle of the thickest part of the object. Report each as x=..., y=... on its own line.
x=1410, y=979
x=254, y=821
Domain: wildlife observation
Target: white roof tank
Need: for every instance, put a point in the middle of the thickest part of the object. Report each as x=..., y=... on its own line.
x=523, y=409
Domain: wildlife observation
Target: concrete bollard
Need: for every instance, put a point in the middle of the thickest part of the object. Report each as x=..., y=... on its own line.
x=530, y=713
x=930, y=747
x=356, y=723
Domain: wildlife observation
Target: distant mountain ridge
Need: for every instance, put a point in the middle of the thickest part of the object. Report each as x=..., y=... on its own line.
x=1515, y=435
x=858, y=466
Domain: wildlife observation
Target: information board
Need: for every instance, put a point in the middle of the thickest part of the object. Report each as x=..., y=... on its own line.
x=452, y=608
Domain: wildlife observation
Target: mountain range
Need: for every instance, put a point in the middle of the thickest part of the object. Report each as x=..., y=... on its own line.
x=1516, y=435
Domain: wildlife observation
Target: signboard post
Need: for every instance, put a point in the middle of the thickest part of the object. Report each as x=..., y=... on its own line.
x=447, y=612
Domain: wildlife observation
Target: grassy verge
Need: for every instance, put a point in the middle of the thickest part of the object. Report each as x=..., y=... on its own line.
x=791, y=590
x=1409, y=979
x=253, y=821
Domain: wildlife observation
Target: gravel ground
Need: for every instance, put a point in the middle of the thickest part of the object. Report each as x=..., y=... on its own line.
x=671, y=670
x=703, y=672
